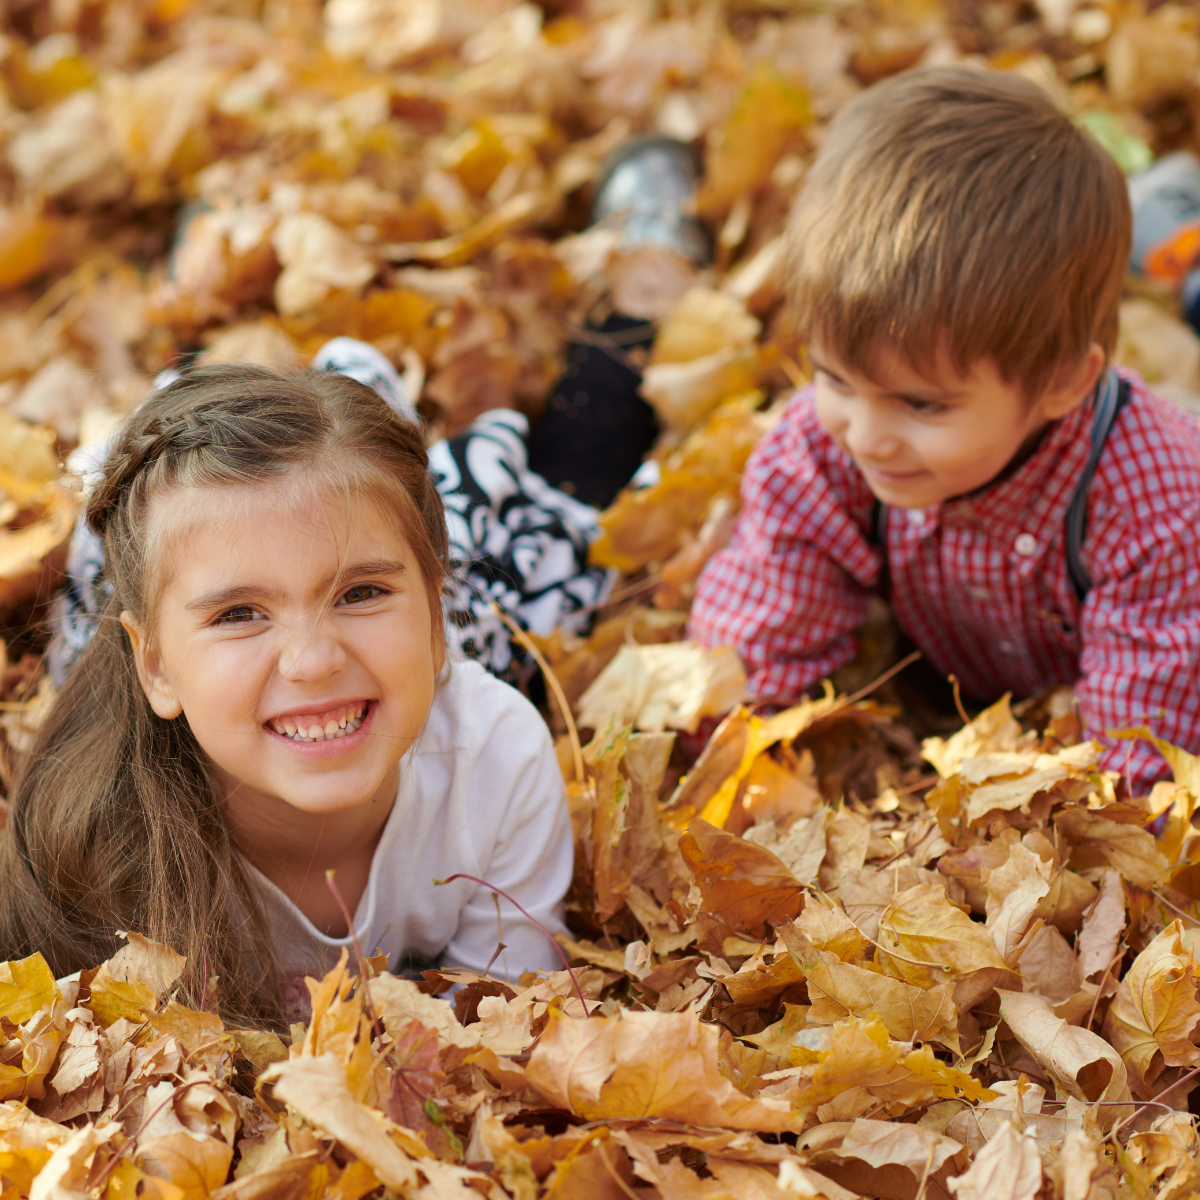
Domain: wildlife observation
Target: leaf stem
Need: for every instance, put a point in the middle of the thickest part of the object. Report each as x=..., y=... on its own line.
x=587, y=1012
x=552, y=683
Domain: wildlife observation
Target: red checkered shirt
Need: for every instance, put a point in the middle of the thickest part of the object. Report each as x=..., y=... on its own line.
x=980, y=582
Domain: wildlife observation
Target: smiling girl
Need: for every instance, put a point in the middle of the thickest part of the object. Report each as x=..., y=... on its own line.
x=268, y=698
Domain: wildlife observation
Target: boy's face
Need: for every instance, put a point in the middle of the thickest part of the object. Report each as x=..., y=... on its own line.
x=922, y=438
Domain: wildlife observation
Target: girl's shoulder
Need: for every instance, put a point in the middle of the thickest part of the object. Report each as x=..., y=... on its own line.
x=472, y=709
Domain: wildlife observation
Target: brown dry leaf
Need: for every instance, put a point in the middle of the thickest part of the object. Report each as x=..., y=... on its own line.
x=1007, y=1168
x=1155, y=1011
x=838, y=989
x=1102, y=929
x=1169, y=1145
x=765, y=121
x=66, y=1173
x=1097, y=841
x=1083, y=1171
x=196, y=1165
x=647, y=525
x=1049, y=967
x=883, y=1157
x=134, y=980
x=399, y=1000
x=743, y=885
x=864, y=1072
x=503, y=1028
x=1014, y=892
x=637, y=1065
x=932, y=937
x=654, y=688
x=995, y=730
x=1080, y=1062
x=26, y=986
x=316, y=1088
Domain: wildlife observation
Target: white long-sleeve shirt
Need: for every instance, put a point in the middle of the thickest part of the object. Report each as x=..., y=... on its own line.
x=480, y=792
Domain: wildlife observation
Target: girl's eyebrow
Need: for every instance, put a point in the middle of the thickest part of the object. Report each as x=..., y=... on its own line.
x=247, y=593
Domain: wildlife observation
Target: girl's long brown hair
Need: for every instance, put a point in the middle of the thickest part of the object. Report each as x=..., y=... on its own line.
x=115, y=821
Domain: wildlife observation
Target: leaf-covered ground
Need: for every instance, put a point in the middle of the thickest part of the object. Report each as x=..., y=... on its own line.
x=824, y=959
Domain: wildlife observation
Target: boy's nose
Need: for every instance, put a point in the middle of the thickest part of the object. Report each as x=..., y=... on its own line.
x=311, y=654
x=870, y=438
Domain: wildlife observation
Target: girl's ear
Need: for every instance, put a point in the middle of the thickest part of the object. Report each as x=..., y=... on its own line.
x=155, y=684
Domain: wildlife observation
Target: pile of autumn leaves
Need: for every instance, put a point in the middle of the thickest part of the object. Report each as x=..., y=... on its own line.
x=974, y=995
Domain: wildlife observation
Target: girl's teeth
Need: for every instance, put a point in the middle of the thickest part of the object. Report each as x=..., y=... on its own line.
x=315, y=733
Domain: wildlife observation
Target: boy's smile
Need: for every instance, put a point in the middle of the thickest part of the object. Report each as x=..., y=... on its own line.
x=921, y=438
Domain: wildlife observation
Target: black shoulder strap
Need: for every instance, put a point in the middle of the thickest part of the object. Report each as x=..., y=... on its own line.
x=877, y=534
x=1112, y=393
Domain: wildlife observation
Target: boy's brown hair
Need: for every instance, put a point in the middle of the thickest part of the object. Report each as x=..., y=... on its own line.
x=960, y=210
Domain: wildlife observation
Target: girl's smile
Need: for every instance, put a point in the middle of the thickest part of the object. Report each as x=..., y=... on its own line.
x=329, y=734
x=299, y=646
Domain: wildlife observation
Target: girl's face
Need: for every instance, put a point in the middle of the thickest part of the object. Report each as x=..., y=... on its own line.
x=298, y=644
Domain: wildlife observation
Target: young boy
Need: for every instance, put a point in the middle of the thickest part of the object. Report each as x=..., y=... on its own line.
x=956, y=261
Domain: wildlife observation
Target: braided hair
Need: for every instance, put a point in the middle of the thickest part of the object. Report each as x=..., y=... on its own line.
x=116, y=822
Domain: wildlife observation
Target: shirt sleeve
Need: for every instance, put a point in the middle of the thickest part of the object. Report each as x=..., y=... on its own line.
x=531, y=850
x=791, y=588
x=1140, y=660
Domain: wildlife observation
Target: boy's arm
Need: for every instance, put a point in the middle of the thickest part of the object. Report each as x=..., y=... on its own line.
x=1140, y=662
x=790, y=590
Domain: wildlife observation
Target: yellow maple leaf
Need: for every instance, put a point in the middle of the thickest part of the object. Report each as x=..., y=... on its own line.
x=1155, y=1010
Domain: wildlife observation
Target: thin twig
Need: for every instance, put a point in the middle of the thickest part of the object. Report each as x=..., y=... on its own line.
x=916, y=962
x=925, y=1176
x=612, y=1171
x=362, y=962
x=552, y=682
x=1156, y=1101
x=558, y=949
x=906, y=661
x=625, y=593
x=1100, y=986
x=108, y=1170
x=907, y=848
x=1174, y=908
x=962, y=712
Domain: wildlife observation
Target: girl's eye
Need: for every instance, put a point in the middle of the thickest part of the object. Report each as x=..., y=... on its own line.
x=242, y=615
x=362, y=592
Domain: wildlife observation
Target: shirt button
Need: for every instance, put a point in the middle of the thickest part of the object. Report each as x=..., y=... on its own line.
x=1004, y=647
x=1025, y=545
x=979, y=593
x=915, y=516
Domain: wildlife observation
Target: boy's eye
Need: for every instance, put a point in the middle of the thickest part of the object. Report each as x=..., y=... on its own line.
x=362, y=592
x=241, y=615
x=839, y=385
x=925, y=407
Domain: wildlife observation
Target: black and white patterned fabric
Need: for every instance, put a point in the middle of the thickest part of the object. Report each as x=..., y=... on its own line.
x=514, y=539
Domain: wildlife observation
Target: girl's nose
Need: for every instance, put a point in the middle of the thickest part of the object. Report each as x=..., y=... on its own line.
x=311, y=654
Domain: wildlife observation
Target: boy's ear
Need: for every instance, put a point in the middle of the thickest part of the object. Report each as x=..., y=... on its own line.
x=154, y=683
x=1072, y=386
